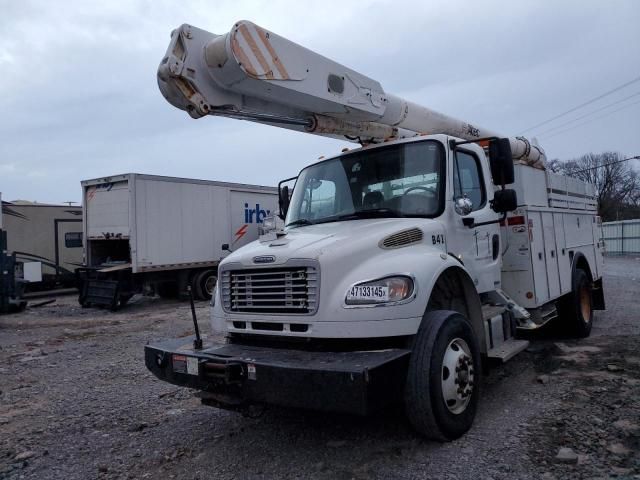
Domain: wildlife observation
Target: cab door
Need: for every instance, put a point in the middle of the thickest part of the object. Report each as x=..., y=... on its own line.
x=477, y=247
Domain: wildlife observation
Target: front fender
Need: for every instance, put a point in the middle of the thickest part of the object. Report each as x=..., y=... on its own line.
x=424, y=263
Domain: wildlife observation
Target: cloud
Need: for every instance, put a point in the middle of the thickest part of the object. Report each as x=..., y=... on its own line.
x=79, y=96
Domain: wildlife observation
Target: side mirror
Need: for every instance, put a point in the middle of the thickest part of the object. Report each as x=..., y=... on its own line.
x=283, y=200
x=504, y=201
x=501, y=161
x=225, y=247
x=463, y=205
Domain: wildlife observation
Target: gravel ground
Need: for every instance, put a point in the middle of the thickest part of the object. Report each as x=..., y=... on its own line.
x=76, y=402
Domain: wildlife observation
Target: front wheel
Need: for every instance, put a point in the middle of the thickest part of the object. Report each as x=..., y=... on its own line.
x=442, y=389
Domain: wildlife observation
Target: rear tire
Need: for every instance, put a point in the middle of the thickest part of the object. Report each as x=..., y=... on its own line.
x=205, y=282
x=576, y=308
x=442, y=388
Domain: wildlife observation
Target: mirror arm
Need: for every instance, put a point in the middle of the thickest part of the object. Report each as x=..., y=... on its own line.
x=470, y=222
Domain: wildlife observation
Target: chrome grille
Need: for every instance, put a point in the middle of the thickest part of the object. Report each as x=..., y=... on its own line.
x=271, y=290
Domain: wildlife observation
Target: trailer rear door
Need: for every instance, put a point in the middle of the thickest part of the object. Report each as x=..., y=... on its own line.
x=107, y=210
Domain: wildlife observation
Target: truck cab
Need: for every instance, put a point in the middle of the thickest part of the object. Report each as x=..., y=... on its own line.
x=367, y=235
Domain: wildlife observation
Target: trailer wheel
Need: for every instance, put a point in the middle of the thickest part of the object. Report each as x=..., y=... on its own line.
x=576, y=307
x=205, y=283
x=442, y=388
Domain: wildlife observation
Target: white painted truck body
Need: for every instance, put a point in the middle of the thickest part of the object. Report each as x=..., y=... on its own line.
x=556, y=217
x=401, y=265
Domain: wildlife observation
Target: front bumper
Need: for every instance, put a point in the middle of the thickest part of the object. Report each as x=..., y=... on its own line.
x=236, y=376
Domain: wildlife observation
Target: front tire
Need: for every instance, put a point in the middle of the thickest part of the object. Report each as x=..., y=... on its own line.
x=442, y=388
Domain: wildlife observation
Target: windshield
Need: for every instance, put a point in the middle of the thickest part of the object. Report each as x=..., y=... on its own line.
x=396, y=181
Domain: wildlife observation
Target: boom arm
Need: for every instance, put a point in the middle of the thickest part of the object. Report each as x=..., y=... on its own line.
x=253, y=74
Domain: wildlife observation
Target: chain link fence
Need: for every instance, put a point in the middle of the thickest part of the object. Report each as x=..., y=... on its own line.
x=622, y=237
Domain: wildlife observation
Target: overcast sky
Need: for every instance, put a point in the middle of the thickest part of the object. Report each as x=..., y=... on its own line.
x=79, y=98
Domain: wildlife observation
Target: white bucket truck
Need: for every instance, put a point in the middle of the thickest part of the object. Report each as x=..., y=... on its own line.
x=404, y=265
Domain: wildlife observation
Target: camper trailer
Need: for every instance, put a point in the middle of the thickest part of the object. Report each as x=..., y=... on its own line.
x=46, y=240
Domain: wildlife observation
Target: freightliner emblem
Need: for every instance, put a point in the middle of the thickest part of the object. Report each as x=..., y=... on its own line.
x=264, y=259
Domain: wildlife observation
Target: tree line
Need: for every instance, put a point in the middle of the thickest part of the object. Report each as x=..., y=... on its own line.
x=617, y=183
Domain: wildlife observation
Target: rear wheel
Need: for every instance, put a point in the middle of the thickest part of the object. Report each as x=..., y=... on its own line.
x=205, y=283
x=442, y=389
x=576, y=308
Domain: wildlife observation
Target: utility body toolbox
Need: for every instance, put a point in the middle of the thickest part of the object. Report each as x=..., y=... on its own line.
x=556, y=219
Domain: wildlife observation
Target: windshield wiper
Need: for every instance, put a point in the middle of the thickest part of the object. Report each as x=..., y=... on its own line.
x=300, y=221
x=371, y=213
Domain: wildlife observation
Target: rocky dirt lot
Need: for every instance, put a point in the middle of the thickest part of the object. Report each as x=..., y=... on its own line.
x=76, y=402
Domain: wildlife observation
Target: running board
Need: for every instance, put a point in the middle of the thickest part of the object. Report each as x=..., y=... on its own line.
x=539, y=317
x=507, y=350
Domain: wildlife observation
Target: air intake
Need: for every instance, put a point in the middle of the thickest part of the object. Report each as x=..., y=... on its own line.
x=402, y=238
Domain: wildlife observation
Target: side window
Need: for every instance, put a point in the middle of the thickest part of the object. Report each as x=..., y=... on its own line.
x=73, y=239
x=467, y=179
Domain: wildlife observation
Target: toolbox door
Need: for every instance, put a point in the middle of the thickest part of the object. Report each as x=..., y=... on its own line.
x=551, y=255
x=538, y=261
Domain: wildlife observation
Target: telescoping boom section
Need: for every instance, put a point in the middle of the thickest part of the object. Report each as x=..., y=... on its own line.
x=250, y=73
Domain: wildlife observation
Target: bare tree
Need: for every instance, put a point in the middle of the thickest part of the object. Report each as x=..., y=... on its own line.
x=617, y=183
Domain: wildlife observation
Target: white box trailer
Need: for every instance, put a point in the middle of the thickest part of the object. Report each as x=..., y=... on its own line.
x=148, y=233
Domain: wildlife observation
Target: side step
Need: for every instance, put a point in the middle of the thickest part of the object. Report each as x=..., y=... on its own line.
x=508, y=349
x=540, y=317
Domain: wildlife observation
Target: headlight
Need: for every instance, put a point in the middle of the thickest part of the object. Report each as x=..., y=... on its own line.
x=381, y=291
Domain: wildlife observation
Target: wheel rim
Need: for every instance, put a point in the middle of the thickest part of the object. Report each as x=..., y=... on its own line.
x=210, y=284
x=585, y=304
x=457, y=376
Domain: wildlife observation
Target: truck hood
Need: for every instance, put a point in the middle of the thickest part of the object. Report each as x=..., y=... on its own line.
x=314, y=241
